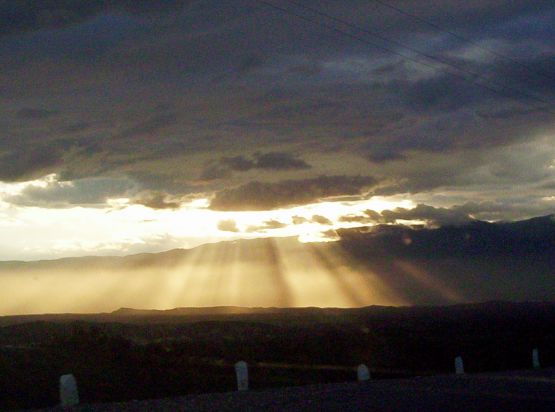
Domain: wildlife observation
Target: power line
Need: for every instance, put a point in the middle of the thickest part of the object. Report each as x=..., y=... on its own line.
x=462, y=38
x=403, y=56
x=412, y=49
x=372, y=33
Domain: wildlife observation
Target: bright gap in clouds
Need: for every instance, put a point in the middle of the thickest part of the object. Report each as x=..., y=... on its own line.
x=119, y=227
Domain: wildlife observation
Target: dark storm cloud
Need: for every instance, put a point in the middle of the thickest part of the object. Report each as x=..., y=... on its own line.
x=215, y=172
x=548, y=185
x=76, y=127
x=279, y=161
x=150, y=126
x=86, y=192
x=249, y=63
x=380, y=156
x=507, y=113
x=479, y=170
x=259, y=196
x=29, y=163
x=29, y=15
x=224, y=167
x=238, y=163
x=163, y=86
x=34, y=113
x=156, y=200
x=450, y=90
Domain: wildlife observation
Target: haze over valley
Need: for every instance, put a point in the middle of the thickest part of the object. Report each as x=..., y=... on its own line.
x=386, y=265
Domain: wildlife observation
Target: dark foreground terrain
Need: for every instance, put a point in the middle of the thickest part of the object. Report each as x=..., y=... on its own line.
x=515, y=391
x=134, y=355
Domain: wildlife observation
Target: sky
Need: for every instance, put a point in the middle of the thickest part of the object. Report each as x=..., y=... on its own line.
x=130, y=127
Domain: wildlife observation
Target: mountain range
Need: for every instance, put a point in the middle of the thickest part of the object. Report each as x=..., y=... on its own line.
x=384, y=265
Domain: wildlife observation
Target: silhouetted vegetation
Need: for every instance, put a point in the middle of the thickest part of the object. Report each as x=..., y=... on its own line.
x=153, y=355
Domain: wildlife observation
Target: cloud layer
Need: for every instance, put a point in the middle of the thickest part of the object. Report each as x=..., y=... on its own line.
x=244, y=101
x=263, y=196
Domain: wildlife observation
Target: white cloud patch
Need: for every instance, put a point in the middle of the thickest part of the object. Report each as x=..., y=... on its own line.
x=50, y=192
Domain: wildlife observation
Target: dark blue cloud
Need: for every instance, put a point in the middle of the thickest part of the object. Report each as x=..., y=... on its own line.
x=170, y=93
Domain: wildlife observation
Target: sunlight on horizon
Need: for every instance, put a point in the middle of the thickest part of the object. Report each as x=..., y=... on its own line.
x=119, y=227
x=274, y=272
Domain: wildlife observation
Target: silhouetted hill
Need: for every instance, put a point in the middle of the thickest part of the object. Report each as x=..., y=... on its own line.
x=142, y=354
x=492, y=310
x=533, y=236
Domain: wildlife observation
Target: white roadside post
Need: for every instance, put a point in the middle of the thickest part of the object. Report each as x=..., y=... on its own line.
x=459, y=366
x=363, y=374
x=242, y=373
x=69, y=396
x=535, y=358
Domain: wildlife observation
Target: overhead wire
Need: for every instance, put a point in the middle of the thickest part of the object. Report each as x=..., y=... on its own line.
x=393, y=41
x=462, y=38
x=333, y=28
x=476, y=75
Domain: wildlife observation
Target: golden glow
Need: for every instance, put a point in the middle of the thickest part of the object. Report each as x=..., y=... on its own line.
x=277, y=271
x=271, y=272
x=120, y=227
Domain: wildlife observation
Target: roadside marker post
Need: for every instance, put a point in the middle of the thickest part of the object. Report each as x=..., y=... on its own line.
x=459, y=366
x=242, y=373
x=536, y=359
x=69, y=396
x=363, y=373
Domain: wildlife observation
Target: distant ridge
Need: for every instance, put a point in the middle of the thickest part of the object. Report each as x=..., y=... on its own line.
x=213, y=310
x=389, y=265
x=533, y=230
x=194, y=314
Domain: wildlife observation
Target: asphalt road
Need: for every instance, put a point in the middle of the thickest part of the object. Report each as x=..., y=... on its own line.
x=514, y=391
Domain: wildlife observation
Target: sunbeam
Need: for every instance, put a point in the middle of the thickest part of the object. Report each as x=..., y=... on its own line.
x=265, y=272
